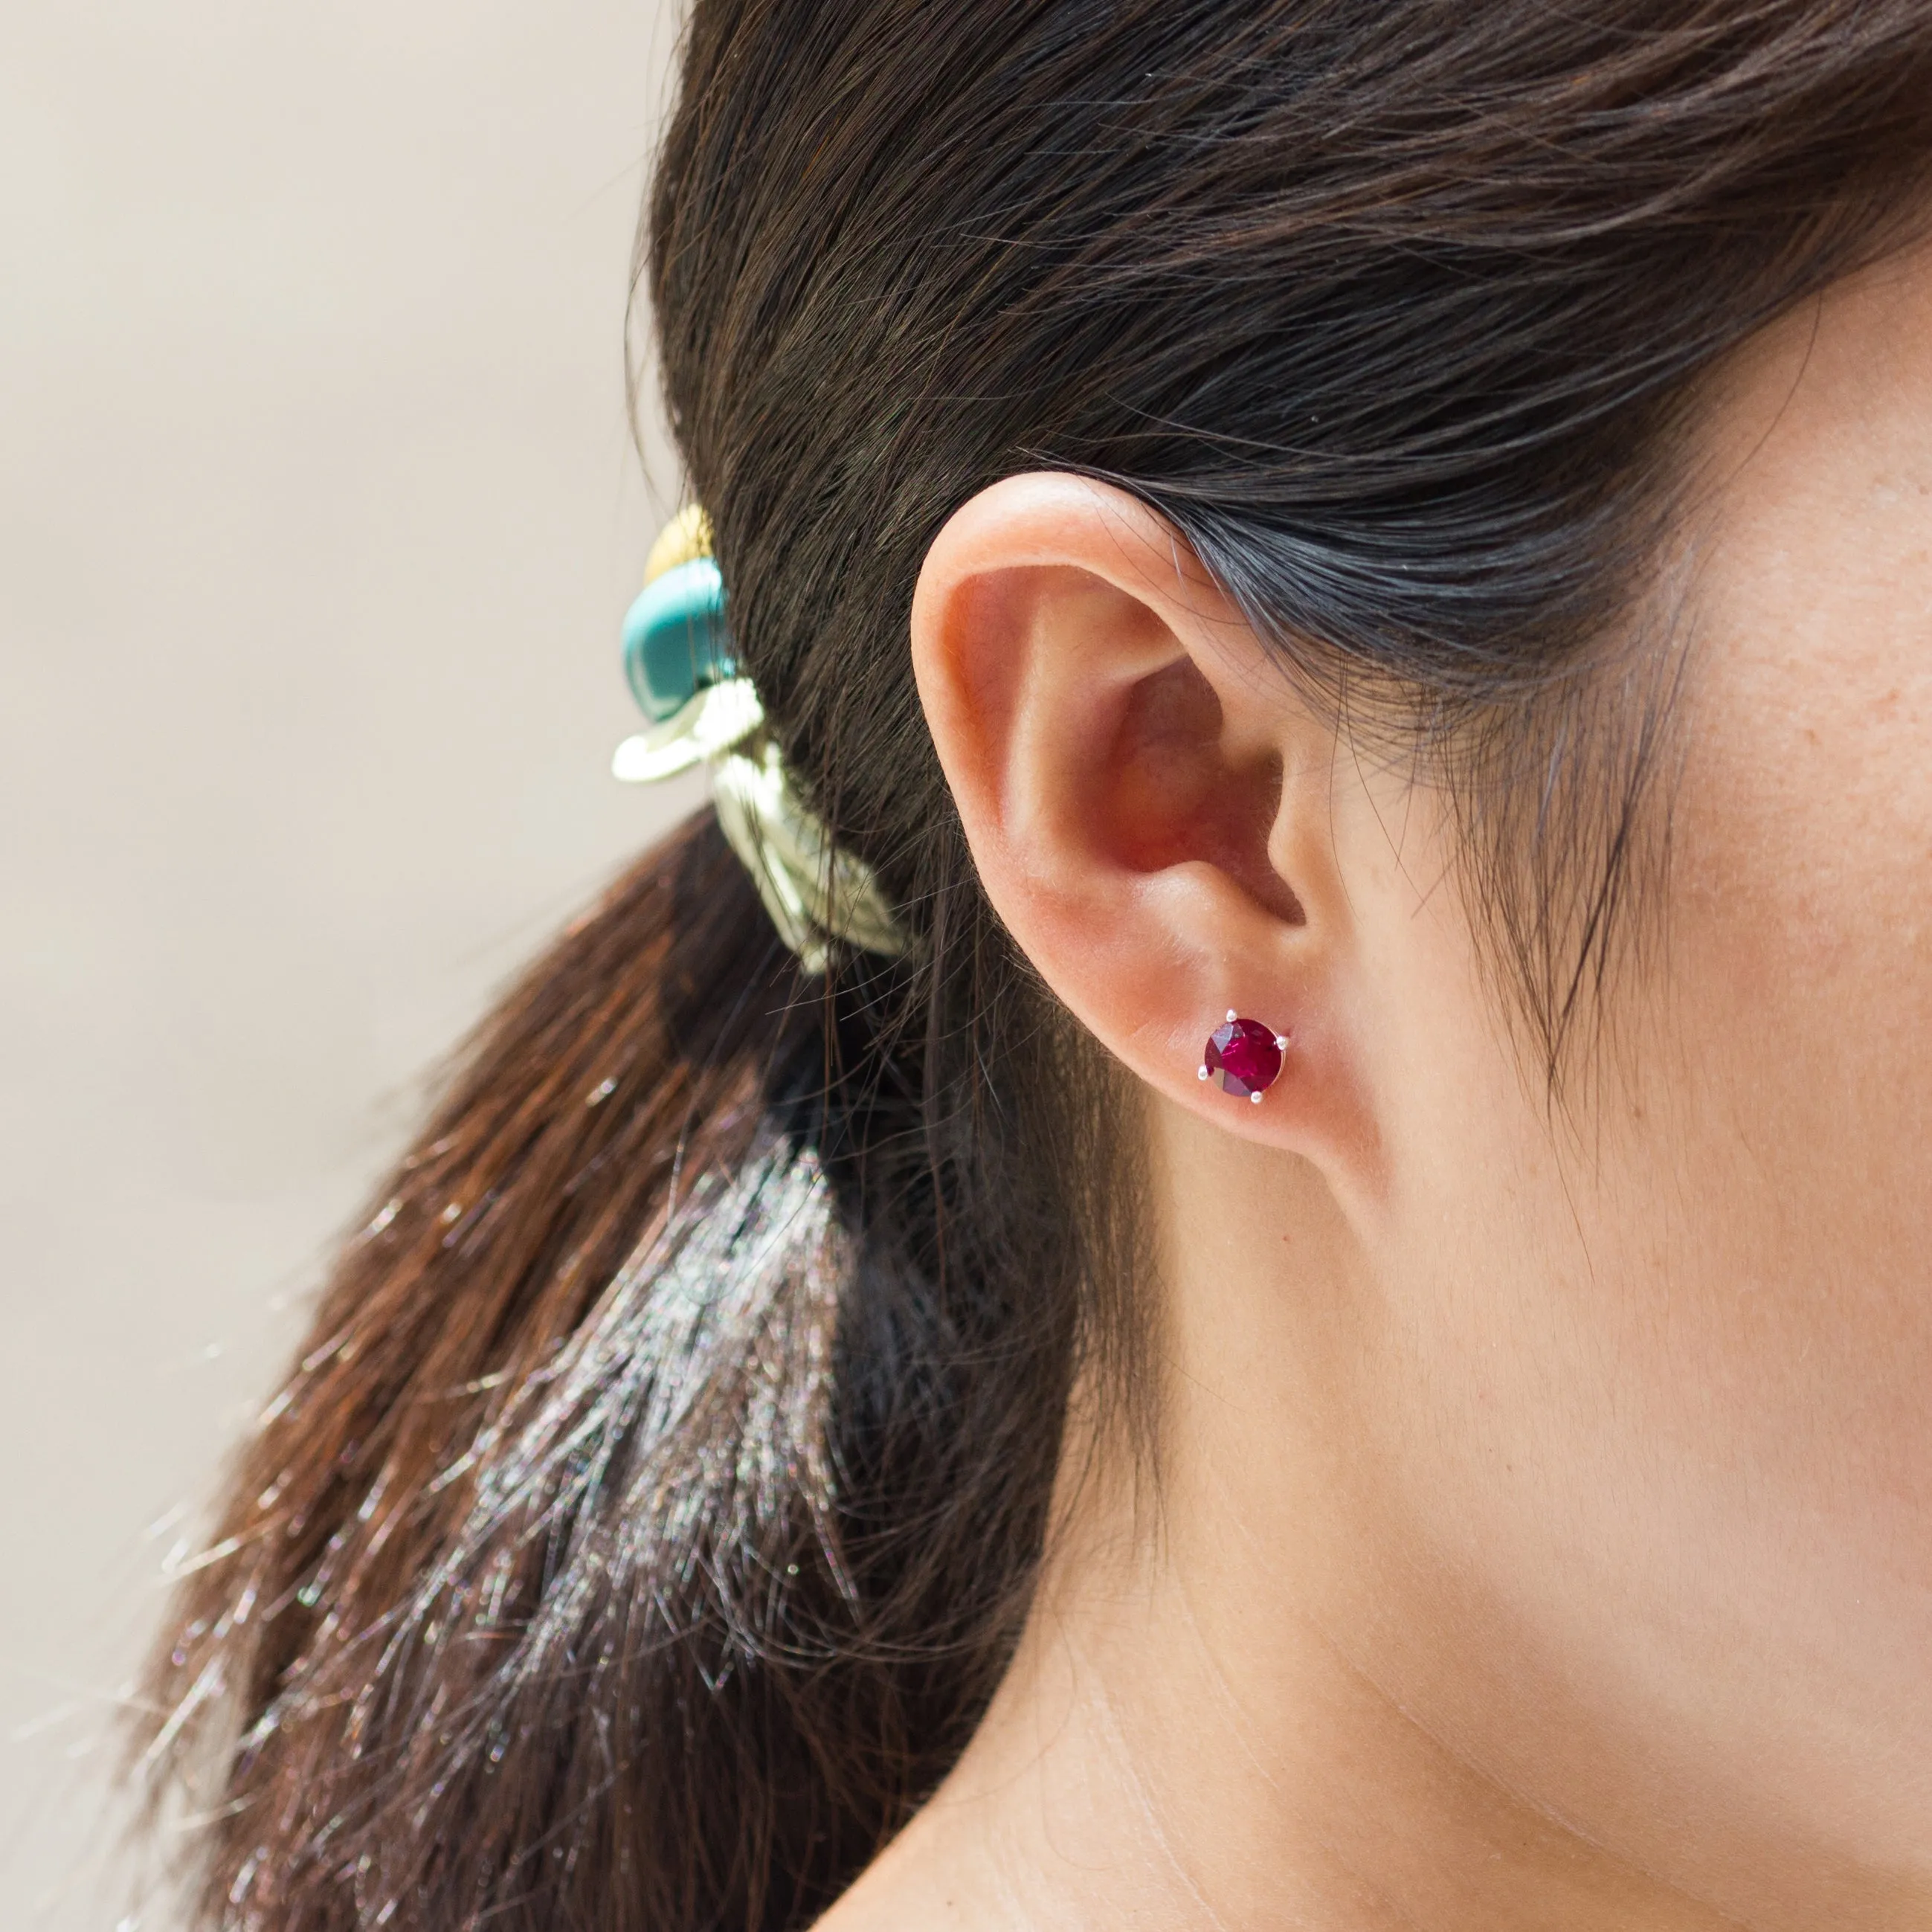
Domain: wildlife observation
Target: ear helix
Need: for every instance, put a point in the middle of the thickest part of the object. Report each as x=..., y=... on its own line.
x=1244, y=1055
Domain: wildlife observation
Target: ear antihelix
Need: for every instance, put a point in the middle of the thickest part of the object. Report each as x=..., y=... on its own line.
x=1244, y=1055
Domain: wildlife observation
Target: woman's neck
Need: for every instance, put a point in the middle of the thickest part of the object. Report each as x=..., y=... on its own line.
x=1295, y=1694
x=1168, y=1754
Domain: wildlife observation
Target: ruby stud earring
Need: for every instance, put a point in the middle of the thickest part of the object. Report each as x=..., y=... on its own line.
x=1245, y=1056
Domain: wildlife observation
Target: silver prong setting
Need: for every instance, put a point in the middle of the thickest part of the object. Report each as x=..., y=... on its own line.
x=1281, y=1042
x=1256, y=1098
x=1200, y=1073
x=1232, y=1015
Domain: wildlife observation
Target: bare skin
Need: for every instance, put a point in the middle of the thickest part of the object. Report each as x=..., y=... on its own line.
x=1545, y=1536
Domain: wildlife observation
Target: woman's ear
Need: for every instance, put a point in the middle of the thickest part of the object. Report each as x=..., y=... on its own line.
x=1148, y=802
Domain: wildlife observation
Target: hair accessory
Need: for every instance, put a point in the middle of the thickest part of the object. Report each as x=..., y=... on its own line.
x=1245, y=1055
x=675, y=643
x=679, y=663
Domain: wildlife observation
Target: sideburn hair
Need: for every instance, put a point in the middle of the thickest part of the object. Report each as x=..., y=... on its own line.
x=655, y=1505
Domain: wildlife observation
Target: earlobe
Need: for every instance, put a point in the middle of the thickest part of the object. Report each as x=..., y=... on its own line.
x=1131, y=771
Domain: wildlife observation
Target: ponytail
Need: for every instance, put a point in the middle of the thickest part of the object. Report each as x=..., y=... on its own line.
x=557, y=1587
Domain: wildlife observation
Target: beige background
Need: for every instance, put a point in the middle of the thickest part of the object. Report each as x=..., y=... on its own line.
x=318, y=511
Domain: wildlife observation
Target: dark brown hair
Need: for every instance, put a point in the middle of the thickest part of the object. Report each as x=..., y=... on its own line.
x=653, y=1512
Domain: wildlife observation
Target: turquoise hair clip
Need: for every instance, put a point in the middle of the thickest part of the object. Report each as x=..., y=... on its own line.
x=676, y=641
x=679, y=662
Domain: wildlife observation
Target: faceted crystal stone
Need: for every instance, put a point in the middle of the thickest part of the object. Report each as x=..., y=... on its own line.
x=1242, y=1054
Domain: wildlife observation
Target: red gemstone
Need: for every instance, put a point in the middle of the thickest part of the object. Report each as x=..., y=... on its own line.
x=1243, y=1054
